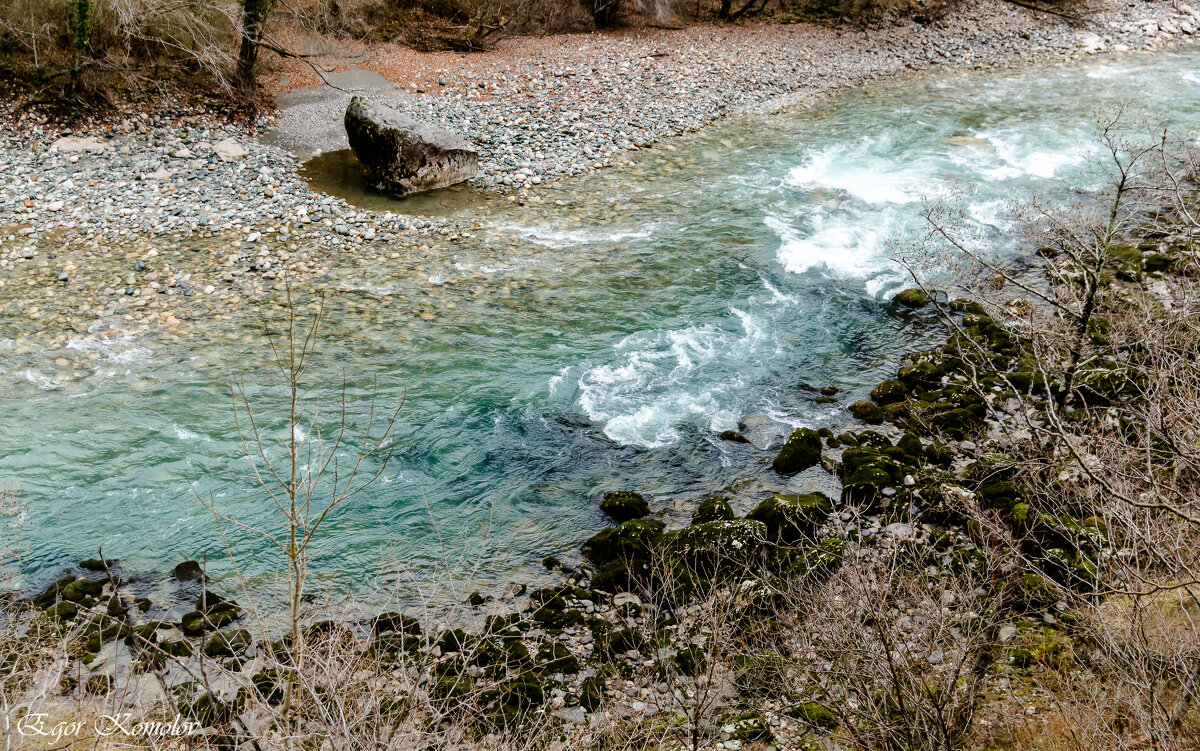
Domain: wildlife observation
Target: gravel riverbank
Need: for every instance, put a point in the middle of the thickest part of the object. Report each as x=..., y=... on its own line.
x=155, y=217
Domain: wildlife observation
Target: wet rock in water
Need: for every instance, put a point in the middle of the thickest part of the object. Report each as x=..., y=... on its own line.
x=403, y=156
x=96, y=564
x=801, y=451
x=189, y=571
x=624, y=505
x=733, y=435
x=228, y=645
x=911, y=298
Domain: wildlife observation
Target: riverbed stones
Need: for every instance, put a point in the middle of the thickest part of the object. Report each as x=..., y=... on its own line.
x=402, y=156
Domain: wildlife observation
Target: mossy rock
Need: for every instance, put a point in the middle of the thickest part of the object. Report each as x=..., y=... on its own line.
x=911, y=298
x=516, y=655
x=714, y=547
x=452, y=687
x=1157, y=263
x=866, y=471
x=394, y=643
x=63, y=611
x=912, y=447
x=1060, y=530
x=889, y=392
x=624, y=640
x=963, y=305
x=453, y=641
x=99, y=684
x=868, y=412
x=792, y=518
x=1043, y=647
x=691, y=661
x=630, y=540
x=270, y=684
x=557, y=620
x=801, y=451
x=147, y=633
x=396, y=623
x=1034, y=592
x=1002, y=495
x=80, y=589
x=210, y=601
x=591, y=693
x=52, y=594
x=196, y=622
x=228, y=645
x=623, y=505
x=189, y=571
x=923, y=373
x=617, y=576
x=818, y=560
x=556, y=658
x=750, y=727
x=814, y=714
x=714, y=509
x=1108, y=382
x=523, y=692
x=208, y=710
x=177, y=648
x=97, y=564
x=101, y=630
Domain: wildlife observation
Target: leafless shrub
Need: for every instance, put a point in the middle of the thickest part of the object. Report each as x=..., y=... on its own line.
x=1097, y=425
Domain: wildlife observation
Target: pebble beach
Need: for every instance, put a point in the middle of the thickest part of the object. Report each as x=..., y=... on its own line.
x=139, y=221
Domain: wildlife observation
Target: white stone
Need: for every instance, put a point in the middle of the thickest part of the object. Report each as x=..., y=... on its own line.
x=626, y=598
x=229, y=149
x=68, y=145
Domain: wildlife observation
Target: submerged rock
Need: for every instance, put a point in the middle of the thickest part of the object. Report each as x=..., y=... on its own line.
x=403, y=156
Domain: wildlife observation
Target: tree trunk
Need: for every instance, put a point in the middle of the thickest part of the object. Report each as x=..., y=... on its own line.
x=81, y=38
x=254, y=19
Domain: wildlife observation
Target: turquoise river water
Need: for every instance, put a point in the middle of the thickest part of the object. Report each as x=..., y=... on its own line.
x=593, y=345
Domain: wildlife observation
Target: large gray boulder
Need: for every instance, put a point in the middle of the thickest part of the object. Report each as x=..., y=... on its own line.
x=402, y=156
